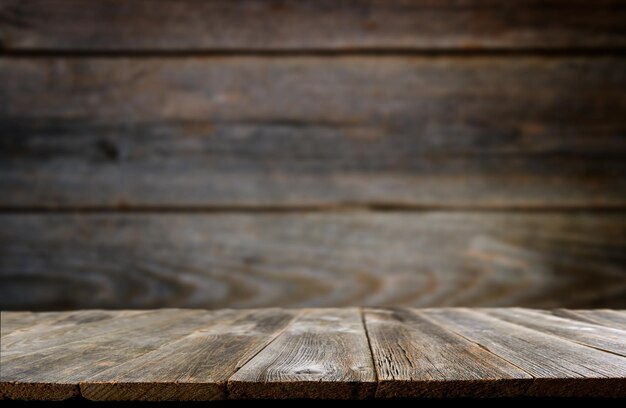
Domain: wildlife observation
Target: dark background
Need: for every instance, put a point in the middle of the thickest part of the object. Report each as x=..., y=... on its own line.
x=312, y=153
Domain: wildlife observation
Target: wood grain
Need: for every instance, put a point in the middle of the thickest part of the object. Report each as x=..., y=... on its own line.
x=479, y=132
x=200, y=355
x=10, y=322
x=560, y=367
x=53, y=373
x=603, y=338
x=187, y=25
x=547, y=260
x=50, y=336
x=608, y=318
x=415, y=357
x=324, y=353
x=194, y=368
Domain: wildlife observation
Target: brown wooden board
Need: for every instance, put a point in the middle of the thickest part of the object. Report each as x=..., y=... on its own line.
x=609, y=318
x=346, y=353
x=560, y=367
x=10, y=322
x=312, y=259
x=54, y=372
x=313, y=132
x=18, y=341
x=416, y=357
x=197, y=366
x=324, y=353
x=592, y=335
x=300, y=25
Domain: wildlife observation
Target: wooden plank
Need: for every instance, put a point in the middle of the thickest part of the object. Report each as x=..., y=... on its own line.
x=28, y=324
x=187, y=25
x=603, y=338
x=560, y=367
x=197, y=132
x=195, y=367
x=15, y=343
x=608, y=318
x=415, y=357
x=312, y=260
x=9, y=322
x=54, y=373
x=323, y=354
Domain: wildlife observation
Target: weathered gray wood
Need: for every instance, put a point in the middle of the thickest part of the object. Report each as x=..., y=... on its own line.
x=608, y=318
x=415, y=357
x=54, y=373
x=560, y=367
x=592, y=335
x=9, y=322
x=15, y=343
x=195, y=367
x=324, y=353
x=481, y=132
x=187, y=25
x=312, y=259
x=28, y=324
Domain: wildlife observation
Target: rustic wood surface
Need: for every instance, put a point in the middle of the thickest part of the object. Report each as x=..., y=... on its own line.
x=312, y=259
x=600, y=337
x=311, y=353
x=371, y=152
x=609, y=318
x=197, y=366
x=415, y=357
x=484, y=132
x=73, y=356
x=560, y=367
x=187, y=25
x=323, y=354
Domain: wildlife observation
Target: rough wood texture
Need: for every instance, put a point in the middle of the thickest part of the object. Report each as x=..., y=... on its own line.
x=53, y=373
x=194, y=368
x=609, y=318
x=187, y=25
x=313, y=353
x=11, y=322
x=79, y=329
x=415, y=357
x=324, y=353
x=560, y=367
x=481, y=132
x=305, y=259
x=603, y=338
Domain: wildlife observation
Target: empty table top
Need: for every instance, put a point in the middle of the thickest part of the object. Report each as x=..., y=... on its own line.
x=344, y=353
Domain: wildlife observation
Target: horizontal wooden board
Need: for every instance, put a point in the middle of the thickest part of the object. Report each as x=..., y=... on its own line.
x=608, y=318
x=54, y=372
x=415, y=357
x=187, y=25
x=560, y=367
x=194, y=368
x=66, y=261
x=612, y=340
x=250, y=131
x=324, y=353
x=338, y=353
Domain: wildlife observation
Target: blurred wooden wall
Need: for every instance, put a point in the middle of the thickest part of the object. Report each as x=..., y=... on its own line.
x=256, y=153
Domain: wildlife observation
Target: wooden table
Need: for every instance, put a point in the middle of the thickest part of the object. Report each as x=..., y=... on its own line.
x=349, y=353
